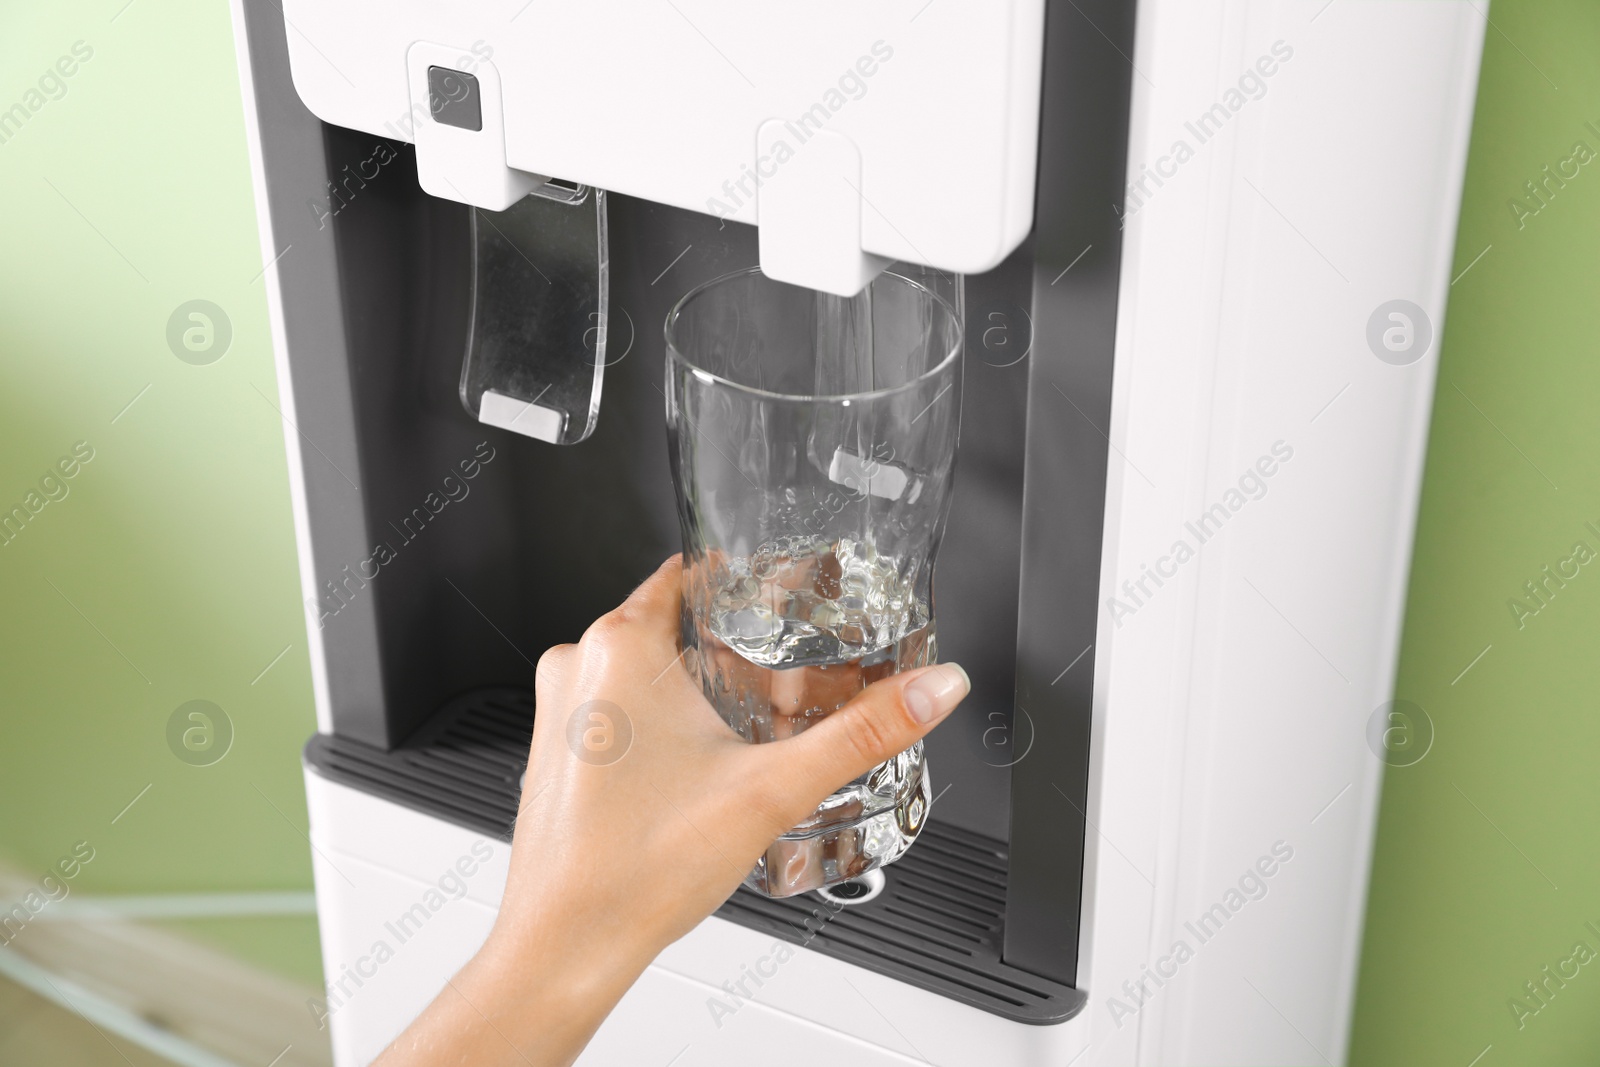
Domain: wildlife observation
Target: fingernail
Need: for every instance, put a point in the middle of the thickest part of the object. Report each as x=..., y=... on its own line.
x=934, y=693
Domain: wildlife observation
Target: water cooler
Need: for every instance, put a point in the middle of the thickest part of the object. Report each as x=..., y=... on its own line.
x=1204, y=251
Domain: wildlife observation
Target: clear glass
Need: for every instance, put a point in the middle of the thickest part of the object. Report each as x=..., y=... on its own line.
x=813, y=439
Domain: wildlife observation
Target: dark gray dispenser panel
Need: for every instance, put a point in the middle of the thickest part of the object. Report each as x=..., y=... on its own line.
x=498, y=546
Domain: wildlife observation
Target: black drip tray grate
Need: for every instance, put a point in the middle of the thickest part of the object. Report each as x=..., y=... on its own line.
x=937, y=924
x=464, y=766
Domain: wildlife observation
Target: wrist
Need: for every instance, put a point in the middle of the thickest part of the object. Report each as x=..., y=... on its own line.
x=550, y=988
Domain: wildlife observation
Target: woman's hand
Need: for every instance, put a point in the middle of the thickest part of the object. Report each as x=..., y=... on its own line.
x=641, y=813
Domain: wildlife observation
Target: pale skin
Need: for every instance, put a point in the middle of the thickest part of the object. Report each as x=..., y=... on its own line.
x=612, y=862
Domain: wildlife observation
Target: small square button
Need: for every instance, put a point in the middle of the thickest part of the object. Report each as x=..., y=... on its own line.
x=453, y=98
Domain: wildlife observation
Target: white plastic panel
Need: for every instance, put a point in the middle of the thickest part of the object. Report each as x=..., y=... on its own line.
x=1232, y=700
x=666, y=101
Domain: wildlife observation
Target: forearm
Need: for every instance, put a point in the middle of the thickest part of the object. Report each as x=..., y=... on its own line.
x=517, y=1006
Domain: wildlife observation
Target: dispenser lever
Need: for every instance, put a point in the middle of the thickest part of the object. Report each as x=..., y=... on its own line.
x=536, y=347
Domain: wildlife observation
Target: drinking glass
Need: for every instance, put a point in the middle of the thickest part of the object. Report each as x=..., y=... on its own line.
x=812, y=440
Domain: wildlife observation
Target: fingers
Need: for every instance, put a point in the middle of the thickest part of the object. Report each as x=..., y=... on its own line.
x=641, y=633
x=551, y=669
x=884, y=719
x=655, y=602
x=663, y=585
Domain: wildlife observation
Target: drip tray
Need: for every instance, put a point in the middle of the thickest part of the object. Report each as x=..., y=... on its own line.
x=936, y=924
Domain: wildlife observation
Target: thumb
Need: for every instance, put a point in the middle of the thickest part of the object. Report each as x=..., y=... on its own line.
x=881, y=721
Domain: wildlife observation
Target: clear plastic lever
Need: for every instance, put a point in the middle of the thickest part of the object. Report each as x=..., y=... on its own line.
x=536, y=347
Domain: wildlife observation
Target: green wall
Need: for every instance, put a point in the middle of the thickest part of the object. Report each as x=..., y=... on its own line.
x=172, y=556
x=167, y=572
x=1488, y=863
